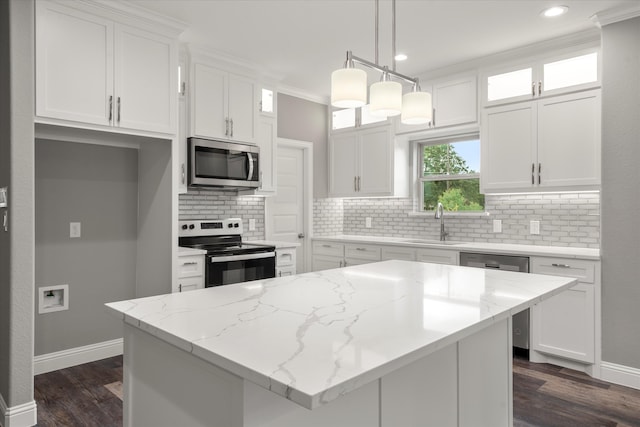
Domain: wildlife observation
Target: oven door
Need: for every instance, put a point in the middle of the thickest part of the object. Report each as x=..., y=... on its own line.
x=224, y=270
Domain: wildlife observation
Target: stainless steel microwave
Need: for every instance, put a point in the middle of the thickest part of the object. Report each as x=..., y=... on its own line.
x=222, y=164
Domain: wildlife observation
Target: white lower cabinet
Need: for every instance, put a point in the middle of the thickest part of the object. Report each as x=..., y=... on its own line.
x=398, y=252
x=285, y=261
x=190, y=272
x=565, y=324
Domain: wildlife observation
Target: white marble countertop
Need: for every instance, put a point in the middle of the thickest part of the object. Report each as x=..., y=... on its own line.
x=313, y=337
x=497, y=248
x=277, y=243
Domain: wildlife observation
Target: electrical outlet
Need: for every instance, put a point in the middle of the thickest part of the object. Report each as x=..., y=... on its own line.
x=534, y=227
x=74, y=229
x=367, y=222
x=252, y=224
x=497, y=226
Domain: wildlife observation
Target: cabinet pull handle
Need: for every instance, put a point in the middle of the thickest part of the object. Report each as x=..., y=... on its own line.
x=231, y=121
x=190, y=263
x=561, y=265
x=358, y=183
x=110, y=108
x=226, y=126
x=433, y=118
x=539, y=170
x=180, y=288
x=540, y=87
x=533, y=88
x=355, y=183
x=533, y=173
x=183, y=174
x=183, y=88
x=280, y=273
x=326, y=246
x=360, y=249
x=119, y=110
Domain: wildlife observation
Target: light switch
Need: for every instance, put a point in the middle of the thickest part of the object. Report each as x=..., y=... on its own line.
x=367, y=222
x=534, y=227
x=74, y=229
x=497, y=226
x=252, y=224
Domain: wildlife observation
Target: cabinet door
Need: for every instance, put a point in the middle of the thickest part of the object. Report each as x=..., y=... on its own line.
x=182, y=127
x=569, y=140
x=242, y=109
x=375, y=162
x=343, y=152
x=322, y=262
x=146, y=80
x=564, y=324
x=455, y=102
x=508, y=147
x=268, y=154
x=209, y=100
x=74, y=65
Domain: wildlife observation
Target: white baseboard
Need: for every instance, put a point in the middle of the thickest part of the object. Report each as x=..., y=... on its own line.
x=24, y=415
x=76, y=356
x=620, y=374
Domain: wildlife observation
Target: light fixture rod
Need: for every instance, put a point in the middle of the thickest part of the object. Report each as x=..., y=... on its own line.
x=393, y=34
x=381, y=68
x=376, y=27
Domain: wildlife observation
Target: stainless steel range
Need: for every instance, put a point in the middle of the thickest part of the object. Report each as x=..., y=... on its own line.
x=228, y=259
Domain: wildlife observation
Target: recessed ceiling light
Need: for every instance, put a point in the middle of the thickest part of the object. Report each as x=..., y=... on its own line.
x=401, y=57
x=555, y=11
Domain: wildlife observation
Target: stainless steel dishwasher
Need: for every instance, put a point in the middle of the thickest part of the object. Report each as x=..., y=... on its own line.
x=510, y=263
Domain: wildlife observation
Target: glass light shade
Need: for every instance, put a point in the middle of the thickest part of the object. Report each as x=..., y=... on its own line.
x=416, y=108
x=348, y=88
x=385, y=98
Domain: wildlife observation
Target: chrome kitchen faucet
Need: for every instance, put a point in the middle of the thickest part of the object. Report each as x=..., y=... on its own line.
x=440, y=215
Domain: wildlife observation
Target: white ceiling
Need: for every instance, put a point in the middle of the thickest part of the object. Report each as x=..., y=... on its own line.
x=302, y=41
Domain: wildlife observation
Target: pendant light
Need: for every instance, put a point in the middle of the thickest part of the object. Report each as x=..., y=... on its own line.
x=349, y=87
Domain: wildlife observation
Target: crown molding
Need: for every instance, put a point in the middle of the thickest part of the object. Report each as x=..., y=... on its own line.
x=611, y=16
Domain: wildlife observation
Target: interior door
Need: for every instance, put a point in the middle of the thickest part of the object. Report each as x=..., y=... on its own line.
x=286, y=211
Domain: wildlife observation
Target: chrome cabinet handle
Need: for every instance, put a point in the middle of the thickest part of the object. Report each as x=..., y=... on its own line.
x=539, y=170
x=360, y=249
x=561, y=265
x=190, y=263
x=533, y=88
x=110, y=108
x=359, y=188
x=355, y=183
x=183, y=174
x=326, y=246
x=533, y=173
x=433, y=118
x=301, y=236
x=119, y=104
x=226, y=126
x=231, y=121
x=180, y=288
x=540, y=87
x=280, y=273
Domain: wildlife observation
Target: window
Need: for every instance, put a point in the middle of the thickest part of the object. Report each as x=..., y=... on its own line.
x=449, y=173
x=353, y=117
x=266, y=101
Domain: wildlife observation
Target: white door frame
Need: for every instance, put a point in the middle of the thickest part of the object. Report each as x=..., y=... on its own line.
x=307, y=152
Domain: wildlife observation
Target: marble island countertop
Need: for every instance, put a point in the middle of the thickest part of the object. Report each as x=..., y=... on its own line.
x=313, y=337
x=497, y=248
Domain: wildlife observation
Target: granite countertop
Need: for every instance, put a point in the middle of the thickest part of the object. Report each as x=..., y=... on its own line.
x=497, y=248
x=313, y=337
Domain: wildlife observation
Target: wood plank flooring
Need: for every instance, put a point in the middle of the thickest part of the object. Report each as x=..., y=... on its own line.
x=544, y=396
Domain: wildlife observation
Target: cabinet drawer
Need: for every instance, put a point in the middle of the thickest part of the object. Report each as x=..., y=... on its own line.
x=328, y=248
x=582, y=270
x=190, y=265
x=397, y=252
x=285, y=257
x=286, y=271
x=363, y=252
x=190, y=283
x=438, y=256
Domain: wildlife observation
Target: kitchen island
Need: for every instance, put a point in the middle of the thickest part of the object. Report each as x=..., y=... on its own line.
x=394, y=343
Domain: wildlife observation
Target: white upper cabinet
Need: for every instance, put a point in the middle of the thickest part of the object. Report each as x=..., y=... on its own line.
x=347, y=119
x=455, y=102
x=224, y=105
x=536, y=79
x=361, y=164
x=93, y=70
x=550, y=144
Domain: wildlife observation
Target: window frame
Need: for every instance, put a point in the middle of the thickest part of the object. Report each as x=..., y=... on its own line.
x=420, y=178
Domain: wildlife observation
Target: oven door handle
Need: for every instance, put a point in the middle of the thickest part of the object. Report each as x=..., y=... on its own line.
x=260, y=255
x=250, y=160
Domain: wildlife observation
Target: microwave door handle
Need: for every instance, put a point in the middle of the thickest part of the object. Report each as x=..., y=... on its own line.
x=250, y=159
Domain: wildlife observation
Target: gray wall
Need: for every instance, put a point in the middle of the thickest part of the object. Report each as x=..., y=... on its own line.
x=307, y=121
x=98, y=187
x=620, y=201
x=16, y=172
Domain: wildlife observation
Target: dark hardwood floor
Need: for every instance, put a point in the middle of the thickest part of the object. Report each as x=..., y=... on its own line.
x=544, y=396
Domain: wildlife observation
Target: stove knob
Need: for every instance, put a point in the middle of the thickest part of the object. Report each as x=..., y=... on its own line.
x=191, y=226
x=230, y=225
x=184, y=226
x=236, y=225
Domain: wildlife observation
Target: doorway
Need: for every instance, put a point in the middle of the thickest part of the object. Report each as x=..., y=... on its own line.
x=289, y=214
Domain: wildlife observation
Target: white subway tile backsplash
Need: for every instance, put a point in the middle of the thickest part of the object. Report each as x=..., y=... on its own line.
x=566, y=219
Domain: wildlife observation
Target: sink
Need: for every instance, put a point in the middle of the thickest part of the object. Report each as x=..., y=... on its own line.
x=431, y=242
